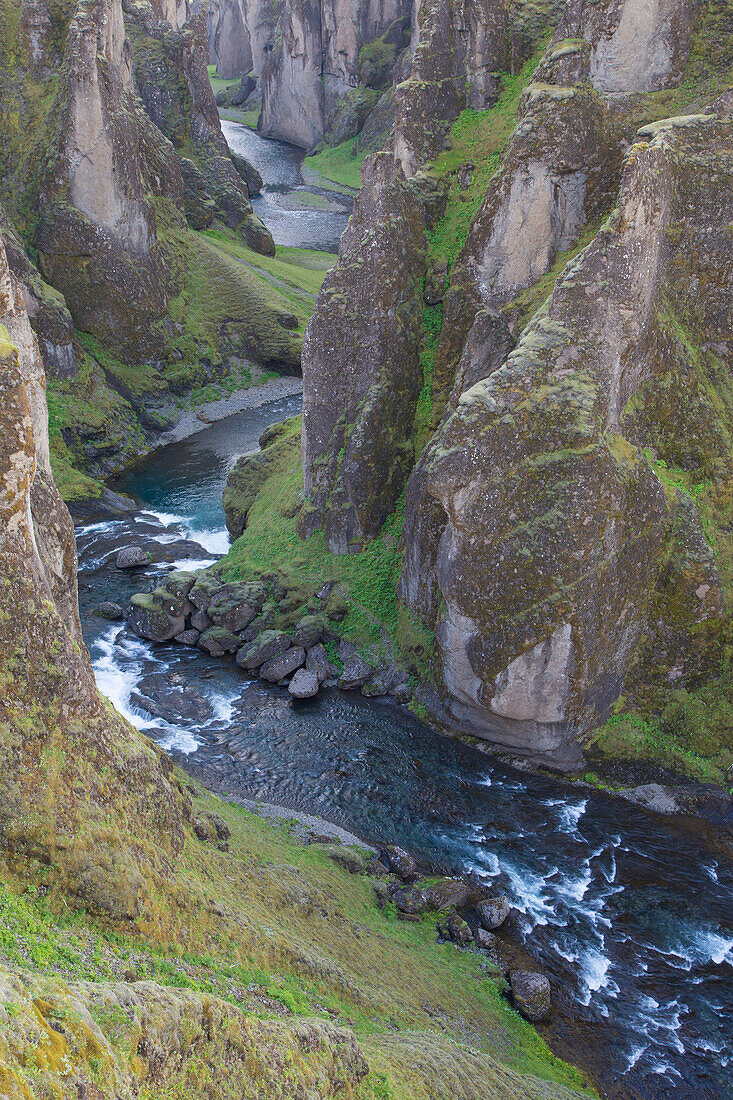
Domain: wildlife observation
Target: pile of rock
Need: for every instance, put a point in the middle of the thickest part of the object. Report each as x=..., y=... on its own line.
x=241, y=619
x=469, y=918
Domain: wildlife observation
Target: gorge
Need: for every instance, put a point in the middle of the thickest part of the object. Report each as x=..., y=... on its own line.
x=497, y=539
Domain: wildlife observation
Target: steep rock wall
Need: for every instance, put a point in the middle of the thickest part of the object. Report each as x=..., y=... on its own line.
x=82, y=794
x=548, y=527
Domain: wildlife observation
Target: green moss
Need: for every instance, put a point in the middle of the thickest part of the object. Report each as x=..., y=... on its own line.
x=338, y=164
x=478, y=137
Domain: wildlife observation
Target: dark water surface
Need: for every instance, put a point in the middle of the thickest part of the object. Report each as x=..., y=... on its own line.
x=280, y=166
x=632, y=919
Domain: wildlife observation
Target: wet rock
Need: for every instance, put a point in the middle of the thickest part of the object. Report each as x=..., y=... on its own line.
x=379, y=683
x=217, y=641
x=269, y=644
x=309, y=631
x=187, y=637
x=487, y=941
x=235, y=605
x=108, y=610
x=200, y=621
x=493, y=912
x=281, y=666
x=317, y=661
x=355, y=673
x=400, y=863
x=652, y=796
x=304, y=684
x=530, y=993
x=148, y=619
x=133, y=557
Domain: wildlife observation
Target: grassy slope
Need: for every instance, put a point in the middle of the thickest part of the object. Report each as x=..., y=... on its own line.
x=338, y=164
x=278, y=940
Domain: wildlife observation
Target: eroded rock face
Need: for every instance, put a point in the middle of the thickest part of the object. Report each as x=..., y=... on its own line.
x=362, y=375
x=312, y=74
x=75, y=741
x=636, y=45
x=546, y=527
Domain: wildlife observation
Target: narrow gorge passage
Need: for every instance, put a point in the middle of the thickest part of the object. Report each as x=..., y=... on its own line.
x=630, y=918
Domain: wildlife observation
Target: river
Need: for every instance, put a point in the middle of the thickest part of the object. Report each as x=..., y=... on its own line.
x=631, y=917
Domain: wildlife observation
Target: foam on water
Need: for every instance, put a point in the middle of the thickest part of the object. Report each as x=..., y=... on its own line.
x=214, y=541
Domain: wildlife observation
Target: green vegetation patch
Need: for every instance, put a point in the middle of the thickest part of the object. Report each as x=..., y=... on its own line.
x=339, y=164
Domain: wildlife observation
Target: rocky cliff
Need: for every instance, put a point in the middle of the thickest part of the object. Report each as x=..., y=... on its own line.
x=567, y=417
x=113, y=155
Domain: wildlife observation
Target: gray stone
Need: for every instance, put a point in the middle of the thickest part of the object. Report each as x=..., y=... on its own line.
x=200, y=621
x=188, y=637
x=652, y=796
x=268, y=644
x=530, y=993
x=355, y=673
x=304, y=684
x=493, y=912
x=133, y=557
x=400, y=863
x=317, y=661
x=148, y=619
x=108, y=610
x=281, y=666
x=309, y=631
x=217, y=641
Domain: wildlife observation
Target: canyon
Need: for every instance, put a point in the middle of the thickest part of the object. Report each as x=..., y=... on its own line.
x=491, y=243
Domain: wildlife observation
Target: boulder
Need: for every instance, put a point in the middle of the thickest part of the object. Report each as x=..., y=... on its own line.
x=447, y=893
x=380, y=682
x=187, y=637
x=487, y=941
x=234, y=606
x=317, y=661
x=108, y=610
x=179, y=582
x=248, y=173
x=148, y=619
x=133, y=557
x=309, y=631
x=200, y=621
x=493, y=912
x=281, y=666
x=400, y=863
x=355, y=673
x=304, y=684
x=268, y=644
x=217, y=641
x=410, y=899
x=530, y=993
x=459, y=931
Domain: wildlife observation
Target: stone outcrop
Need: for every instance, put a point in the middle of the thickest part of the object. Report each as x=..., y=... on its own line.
x=531, y=473
x=242, y=35
x=362, y=381
x=543, y=543
x=312, y=86
x=109, y=847
x=635, y=45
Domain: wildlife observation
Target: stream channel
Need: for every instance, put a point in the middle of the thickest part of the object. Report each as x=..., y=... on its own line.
x=631, y=917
